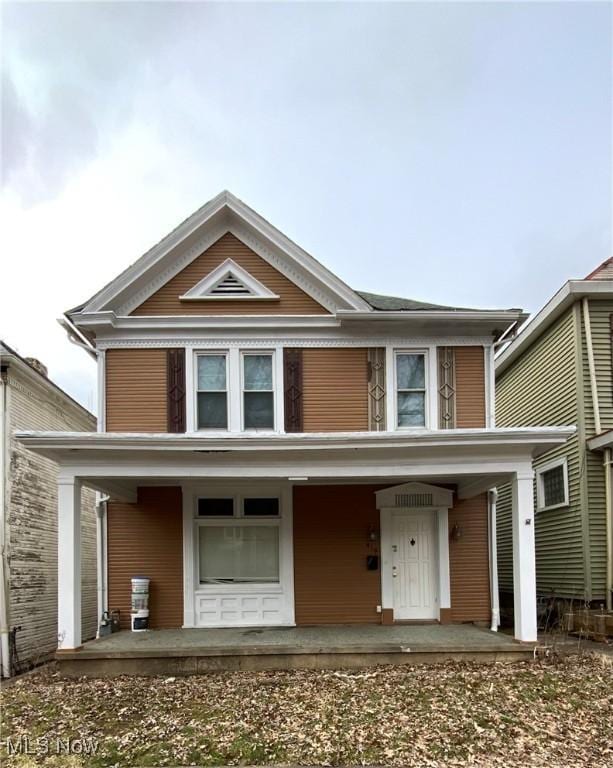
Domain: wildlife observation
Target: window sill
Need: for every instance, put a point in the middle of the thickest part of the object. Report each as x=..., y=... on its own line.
x=553, y=507
x=228, y=432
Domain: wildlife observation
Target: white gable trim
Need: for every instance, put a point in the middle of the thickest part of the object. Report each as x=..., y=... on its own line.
x=224, y=213
x=204, y=289
x=414, y=495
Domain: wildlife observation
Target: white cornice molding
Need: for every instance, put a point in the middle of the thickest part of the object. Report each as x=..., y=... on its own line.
x=108, y=319
x=206, y=341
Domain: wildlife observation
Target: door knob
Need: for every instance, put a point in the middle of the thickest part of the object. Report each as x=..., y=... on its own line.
x=394, y=571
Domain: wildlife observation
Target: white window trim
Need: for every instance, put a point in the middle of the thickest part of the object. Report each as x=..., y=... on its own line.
x=275, y=395
x=210, y=353
x=234, y=375
x=431, y=400
x=284, y=589
x=540, y=491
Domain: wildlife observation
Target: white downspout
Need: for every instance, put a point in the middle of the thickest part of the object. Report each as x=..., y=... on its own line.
x=101, y=556
x=591, y=365
x=492, y=498
x=607, y=455
x=5, y=665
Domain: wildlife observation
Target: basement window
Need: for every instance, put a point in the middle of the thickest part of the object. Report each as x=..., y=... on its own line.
x=552, y=485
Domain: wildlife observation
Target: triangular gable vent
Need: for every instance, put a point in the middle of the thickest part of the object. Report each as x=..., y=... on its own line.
x=229, y=281
x=230, y=286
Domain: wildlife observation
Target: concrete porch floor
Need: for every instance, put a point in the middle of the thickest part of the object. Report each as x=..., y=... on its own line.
x=193, y=651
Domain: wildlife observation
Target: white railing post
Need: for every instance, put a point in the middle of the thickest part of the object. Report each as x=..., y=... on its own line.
x=524, y=566
x=69, y=563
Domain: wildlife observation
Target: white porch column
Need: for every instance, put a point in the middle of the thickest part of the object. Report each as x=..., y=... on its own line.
x=69, y=563
x=524, y=568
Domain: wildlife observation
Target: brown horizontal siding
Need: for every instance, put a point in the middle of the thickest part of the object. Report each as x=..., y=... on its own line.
x=293, y=300
x=335, y=390
x=470, y=387
x=331, y=527
x=469, y=561
x=146, y=539
x=136, y=390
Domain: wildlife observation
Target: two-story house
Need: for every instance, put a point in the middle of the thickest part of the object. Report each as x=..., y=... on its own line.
x=29, y=399
x=279, y=449
x=559, y=370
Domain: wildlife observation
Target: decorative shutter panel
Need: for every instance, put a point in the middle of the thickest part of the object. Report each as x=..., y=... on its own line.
x=292, y=389
x=376, y=389
x=446, y=388
x=175, y=363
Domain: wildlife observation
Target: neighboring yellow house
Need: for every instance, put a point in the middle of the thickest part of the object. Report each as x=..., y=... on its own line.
x=559, y=370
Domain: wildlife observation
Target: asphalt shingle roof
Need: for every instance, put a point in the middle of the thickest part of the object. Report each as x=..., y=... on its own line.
x=396, y=304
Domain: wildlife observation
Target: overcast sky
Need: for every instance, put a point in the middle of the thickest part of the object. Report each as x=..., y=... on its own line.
x=457, y=153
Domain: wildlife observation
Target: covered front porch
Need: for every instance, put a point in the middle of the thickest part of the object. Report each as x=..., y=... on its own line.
x=193, y=651
x=360, y=520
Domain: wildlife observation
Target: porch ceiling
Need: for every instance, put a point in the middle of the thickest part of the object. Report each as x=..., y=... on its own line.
x=126, y=488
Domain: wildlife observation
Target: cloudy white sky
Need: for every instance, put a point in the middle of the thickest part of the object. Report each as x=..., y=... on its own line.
x=452, y=152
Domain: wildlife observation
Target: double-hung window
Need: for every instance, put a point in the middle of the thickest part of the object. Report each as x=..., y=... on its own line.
x=244, y=548
x=258, y=400
x=410, y=389
x=235, y=390
x=212, y=391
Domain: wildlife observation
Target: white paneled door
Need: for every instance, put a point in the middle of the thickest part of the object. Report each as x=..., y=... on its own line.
x=414, y=566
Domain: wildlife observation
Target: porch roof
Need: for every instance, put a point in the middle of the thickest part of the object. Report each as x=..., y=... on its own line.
x=473, y=460
x=531, y=441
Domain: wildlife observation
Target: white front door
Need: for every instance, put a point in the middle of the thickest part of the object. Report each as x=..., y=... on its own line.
x=414, y=567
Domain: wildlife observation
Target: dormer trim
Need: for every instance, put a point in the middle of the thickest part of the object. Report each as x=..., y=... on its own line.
x=229, y=282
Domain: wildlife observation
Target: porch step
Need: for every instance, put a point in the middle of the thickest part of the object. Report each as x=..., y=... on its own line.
x=93, y=662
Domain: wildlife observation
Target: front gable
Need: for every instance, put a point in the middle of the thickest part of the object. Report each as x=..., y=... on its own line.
x=223, y=228
x=259, y=288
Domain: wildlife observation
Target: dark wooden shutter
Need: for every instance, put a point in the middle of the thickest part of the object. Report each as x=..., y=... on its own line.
x=292, y=389
x=176, y=390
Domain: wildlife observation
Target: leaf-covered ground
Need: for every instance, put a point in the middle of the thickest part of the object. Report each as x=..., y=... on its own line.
x=545, y=713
